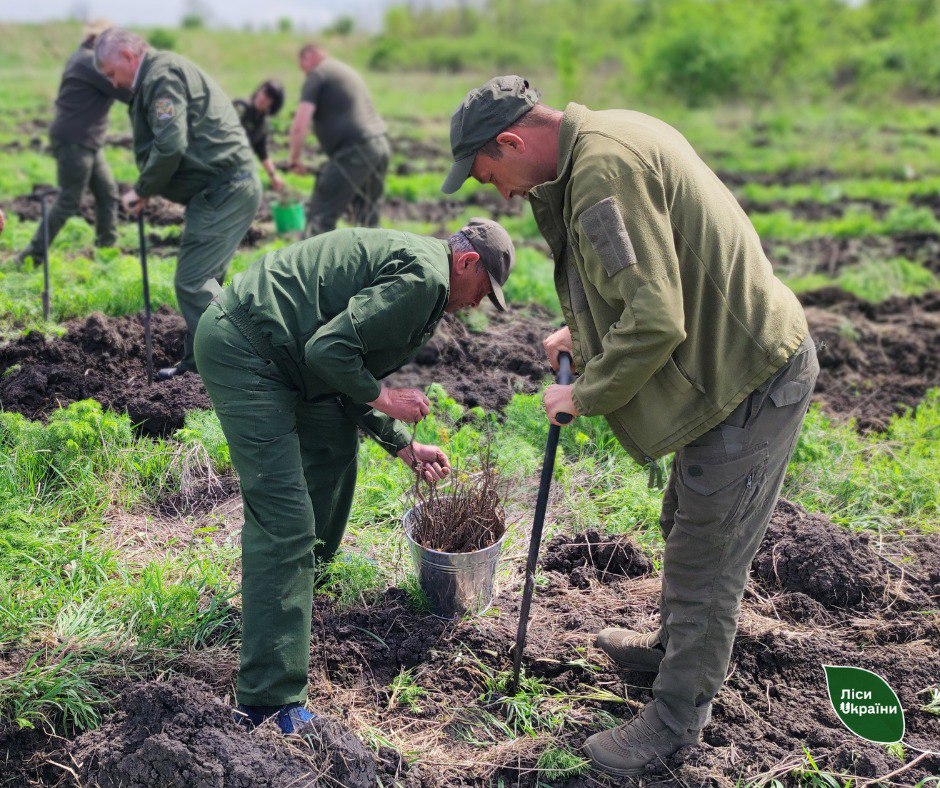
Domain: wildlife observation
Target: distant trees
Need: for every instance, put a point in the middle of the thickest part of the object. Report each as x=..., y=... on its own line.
x=696, y=51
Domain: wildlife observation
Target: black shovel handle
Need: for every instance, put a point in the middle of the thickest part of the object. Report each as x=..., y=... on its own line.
x=535, y=541
x=46, y=298
x=564, y=378
x=148, y=337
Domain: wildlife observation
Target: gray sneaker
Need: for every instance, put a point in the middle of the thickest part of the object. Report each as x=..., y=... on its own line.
x=632, y=650
x=630, y=748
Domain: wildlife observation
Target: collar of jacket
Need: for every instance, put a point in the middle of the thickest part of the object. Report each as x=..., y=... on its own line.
x=142, y=70
x=553, y=192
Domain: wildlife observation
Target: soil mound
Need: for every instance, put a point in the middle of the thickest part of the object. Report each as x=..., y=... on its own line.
x=177, y=734
x=103, y=358
x=876, y=358
x=485, y=368
x=591, y=555
x=28, y=207
x=807, y=554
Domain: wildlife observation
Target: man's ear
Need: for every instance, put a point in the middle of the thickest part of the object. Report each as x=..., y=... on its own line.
x=511, y=140
x=464, y=261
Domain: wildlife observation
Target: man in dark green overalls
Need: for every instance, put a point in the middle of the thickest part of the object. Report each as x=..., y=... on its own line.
x=190, y=148
x=76, y=136
x=292, y=354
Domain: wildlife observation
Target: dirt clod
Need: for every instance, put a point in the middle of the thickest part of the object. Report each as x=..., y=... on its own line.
x=177, y=734
x=590, y=556
x=346, y=760
x=807, y=554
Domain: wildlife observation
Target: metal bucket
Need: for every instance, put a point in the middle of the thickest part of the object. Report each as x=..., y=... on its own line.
x=456, y=584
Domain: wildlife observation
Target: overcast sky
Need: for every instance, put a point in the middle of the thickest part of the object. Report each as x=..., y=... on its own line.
x=305, y=14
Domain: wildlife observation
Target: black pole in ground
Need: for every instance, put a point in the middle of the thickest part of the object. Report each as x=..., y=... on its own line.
x=45, y=258
x=535, y=541
x=148, y=340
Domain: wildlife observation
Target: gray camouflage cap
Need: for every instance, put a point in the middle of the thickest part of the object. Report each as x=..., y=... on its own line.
x=484, y=113
x=497, y=254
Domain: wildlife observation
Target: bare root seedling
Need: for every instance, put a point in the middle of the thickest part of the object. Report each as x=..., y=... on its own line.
x=462, y=514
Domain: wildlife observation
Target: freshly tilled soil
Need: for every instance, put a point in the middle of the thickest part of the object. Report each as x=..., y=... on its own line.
x=176, y=734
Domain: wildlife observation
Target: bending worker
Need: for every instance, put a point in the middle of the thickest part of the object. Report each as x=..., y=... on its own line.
x=264, y=103
x=190, y=148
x=686, y=343
x=76, y=136
x=352, y=134
x=291, y=355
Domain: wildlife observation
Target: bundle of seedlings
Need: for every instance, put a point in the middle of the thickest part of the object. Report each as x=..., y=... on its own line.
x=462, y=514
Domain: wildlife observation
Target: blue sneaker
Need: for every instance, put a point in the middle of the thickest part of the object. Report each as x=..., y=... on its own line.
x=289, y=718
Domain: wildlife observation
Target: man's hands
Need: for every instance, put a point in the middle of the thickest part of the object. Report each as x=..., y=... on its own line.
x=427, y=461
x=277, y=183
x=558, y=342
x=133, y=203
x=408, y=405
x=557, y=399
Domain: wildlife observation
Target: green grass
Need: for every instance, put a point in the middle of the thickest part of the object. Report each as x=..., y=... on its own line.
x=874, y=280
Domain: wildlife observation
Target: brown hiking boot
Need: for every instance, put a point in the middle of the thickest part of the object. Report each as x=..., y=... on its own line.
x=630, y=748
x=631, y=649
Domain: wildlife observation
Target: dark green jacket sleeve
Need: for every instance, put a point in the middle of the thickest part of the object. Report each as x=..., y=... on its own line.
x=385, y=315
x=167, y=118
x=625, y=242
x=389, y=433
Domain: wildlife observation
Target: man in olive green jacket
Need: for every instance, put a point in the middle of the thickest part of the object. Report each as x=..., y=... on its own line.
x=686, y=343
x=292, y=354
x=191, y=148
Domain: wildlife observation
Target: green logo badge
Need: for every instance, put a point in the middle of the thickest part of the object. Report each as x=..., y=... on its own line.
x=865, y=703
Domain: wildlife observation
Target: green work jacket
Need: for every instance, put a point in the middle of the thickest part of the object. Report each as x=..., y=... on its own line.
x=338, y=312
x=187, y=136
x=674, y=310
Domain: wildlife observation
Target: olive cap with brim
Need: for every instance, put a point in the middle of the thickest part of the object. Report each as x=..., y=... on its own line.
x=497, y=254
x=483, y=114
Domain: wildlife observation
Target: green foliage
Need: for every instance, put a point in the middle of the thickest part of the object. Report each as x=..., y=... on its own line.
x=559, y=763
x=877, y=480
x=343, y=25
x=406, y=692
x=874, y=280
x=161, y=38
x=351, y=578
x=202, y=427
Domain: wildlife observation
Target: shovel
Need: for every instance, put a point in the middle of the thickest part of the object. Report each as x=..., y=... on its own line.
x=535, y=541
x=148, y=338
x=46, y=299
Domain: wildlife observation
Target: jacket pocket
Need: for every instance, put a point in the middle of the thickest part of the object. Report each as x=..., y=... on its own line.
x=603, y=225
x=792, y=391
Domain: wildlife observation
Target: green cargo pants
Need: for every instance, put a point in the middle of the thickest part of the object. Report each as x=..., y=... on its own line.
x=216, y=220
x=354, y=178
x=721, y=494
x=296, y=462
x=79, y=168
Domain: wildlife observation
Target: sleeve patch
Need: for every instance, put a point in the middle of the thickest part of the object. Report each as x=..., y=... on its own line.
x=163, y=108
x=603, y=225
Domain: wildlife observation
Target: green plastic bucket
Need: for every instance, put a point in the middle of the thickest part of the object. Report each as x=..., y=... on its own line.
x=288, y=217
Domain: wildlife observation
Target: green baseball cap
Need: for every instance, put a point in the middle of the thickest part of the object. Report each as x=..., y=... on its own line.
x=483, y=114
x=497, y=254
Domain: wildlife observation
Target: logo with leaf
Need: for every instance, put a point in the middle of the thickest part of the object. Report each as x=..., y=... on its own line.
x=865, y=704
